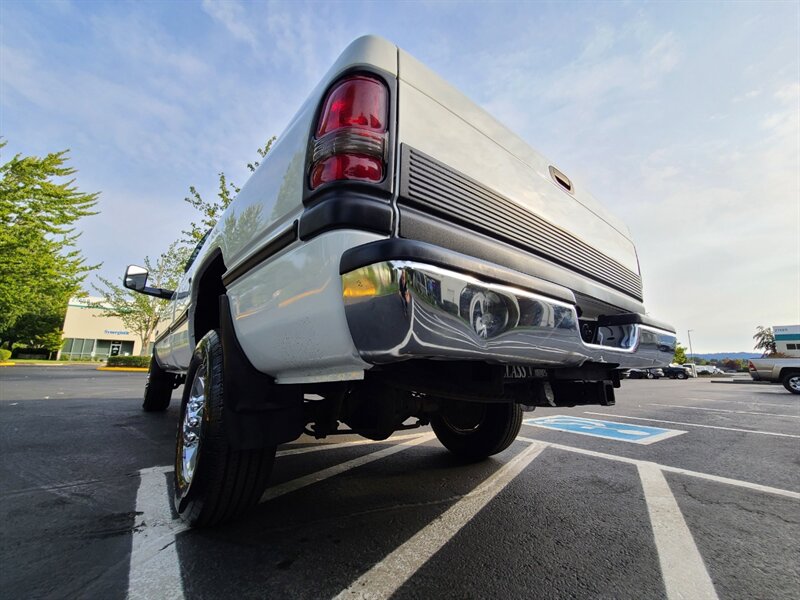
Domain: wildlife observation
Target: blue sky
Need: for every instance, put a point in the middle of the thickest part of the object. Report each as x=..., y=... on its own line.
x=683, y=118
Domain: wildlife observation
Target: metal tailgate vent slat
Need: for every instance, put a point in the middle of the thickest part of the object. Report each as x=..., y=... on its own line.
x=437, y=189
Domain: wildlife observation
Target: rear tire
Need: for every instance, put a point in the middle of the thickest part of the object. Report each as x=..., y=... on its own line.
x=214, y=482
x=791, y=382
x=474, y=431
x=682, y=376
x=158, y=389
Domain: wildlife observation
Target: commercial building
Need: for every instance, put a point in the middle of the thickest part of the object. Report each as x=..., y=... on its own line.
x=91, y=333
x=787, y=339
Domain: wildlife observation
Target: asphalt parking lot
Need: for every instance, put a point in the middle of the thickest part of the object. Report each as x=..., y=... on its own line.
x=705, y=506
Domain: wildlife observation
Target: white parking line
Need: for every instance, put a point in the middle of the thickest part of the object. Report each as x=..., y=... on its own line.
x=295, y=484
x=708, y=476
x=749, y=403
x=789, y=435
x=319, y=447
x=723, y=410
x=682, y=567
x=154, y=571
x=386, y=577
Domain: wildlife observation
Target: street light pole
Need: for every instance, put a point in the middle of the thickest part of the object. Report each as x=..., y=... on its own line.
x=689, y=333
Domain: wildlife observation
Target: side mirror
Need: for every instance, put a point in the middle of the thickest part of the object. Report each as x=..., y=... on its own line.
x=135, y=278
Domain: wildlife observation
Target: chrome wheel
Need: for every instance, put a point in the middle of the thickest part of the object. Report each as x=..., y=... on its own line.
x=794, y=383
x=191, y=427
x=213, y=480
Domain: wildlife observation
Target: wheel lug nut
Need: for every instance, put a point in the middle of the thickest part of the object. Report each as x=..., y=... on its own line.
x=190, y=438
x=194, y=422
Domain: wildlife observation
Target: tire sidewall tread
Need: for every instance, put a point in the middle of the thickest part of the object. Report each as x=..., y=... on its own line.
x=786, y=379
x=227, y=481
x=500, y=427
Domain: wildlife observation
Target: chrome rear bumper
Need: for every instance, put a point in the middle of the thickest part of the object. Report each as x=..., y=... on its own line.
x=398, y=309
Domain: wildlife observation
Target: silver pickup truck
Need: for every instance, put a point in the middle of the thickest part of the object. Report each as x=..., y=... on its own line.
x=399, y=259
x=777, y=370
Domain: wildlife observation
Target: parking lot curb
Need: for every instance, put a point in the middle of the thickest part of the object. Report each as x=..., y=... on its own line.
x=743, y=382
x=126, y=369
x=54, y=363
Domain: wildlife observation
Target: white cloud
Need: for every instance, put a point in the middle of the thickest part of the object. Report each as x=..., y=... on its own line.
x=147, y=47
x=233, y=16
x=789, y=93
x=591, y=80
x=749, y=95
x=601, y=41
x=661, y=57
x=81, y=94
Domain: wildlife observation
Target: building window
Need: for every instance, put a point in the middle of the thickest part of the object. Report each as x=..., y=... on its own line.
x=80, y=348
x=77, y=348
x=791, y=346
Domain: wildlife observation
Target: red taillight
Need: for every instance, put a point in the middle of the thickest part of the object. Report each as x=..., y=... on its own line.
x=346, y=166
x=356, y=102
x=350, y=138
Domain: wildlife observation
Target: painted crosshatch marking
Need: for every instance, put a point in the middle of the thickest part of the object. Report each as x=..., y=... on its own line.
x=621, y=432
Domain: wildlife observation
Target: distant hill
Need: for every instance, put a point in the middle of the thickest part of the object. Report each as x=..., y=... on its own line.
x=733, y=355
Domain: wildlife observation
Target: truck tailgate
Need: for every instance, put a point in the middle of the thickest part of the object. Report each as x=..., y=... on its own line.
x=494, y=171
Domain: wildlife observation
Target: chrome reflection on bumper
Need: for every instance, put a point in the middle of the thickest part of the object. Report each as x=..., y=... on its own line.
x=398, y=310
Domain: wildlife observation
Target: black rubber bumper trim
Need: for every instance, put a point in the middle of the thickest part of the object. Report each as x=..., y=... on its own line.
x=633, y=319
x=275, y=245
x=402, y=249
x=346, y=210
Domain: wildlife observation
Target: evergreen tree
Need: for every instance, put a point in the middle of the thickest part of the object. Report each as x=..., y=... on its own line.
x=41, y=267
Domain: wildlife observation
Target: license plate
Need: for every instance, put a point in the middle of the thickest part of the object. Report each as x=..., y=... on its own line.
x=524, y=372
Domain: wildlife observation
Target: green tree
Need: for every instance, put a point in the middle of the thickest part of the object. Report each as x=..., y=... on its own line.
x=41, y=266
x=680, y=354
x=210, y=211
x=732, y=364
x=141, y=313
x=765, y=340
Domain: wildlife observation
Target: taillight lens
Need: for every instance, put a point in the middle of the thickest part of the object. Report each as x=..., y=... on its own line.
x=350, y=139
x=346, y=166
x=356, y=102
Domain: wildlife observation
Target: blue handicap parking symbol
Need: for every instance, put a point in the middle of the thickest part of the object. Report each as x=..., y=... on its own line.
x=623, y=432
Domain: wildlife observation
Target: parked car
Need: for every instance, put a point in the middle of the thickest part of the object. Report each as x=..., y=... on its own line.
x=675, y=372
x=643, y=373
x=398, y=254
x=777, y=370
x=695, y=370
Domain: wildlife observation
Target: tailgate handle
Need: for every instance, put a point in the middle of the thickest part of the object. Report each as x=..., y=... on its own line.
x=560, y=179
